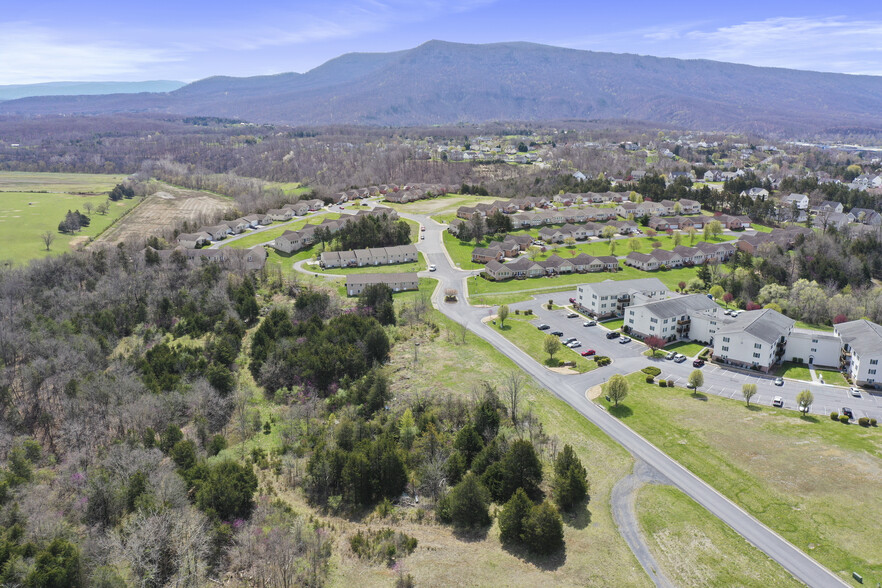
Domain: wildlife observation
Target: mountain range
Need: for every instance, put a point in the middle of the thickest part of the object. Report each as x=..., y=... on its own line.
x=446, y=83
x=15, y=91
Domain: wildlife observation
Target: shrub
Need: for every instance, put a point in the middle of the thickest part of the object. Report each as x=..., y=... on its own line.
x=650, y=379
x=382, y=545
x=602, y=360
x=864, y=422
x=843, y=418
x=651, y=370
x=663, y=383
x=834, y=416
x=670, y=383
x=872, y=422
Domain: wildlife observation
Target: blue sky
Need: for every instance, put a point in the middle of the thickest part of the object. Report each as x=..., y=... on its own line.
x=52, y=40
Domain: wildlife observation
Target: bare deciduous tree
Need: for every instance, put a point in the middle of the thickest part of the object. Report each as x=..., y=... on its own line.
x=513, y=383
x=48, y=238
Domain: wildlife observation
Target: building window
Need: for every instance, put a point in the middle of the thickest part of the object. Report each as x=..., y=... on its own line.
x=871, y=372
x=725, y=339
x=814, y=349
x=651, y=328
x=756, y=355
x=757, y=345
x=874, y=362
x=652, y=320
x=724, y=348
x=814, y=340
x=631, y=321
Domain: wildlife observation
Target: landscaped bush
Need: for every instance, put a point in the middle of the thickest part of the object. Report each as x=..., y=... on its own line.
x=602, y=360
x=834, y=416
x=670, y=383
x=843, y=418
x=872, y=422
x=651, y=370
x=864, y=422
x=649, y=379
x=663, y=383
x=529, y=311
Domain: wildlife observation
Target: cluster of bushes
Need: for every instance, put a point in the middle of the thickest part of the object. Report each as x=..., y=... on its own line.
x=121, y=191
x=867, y=422
x=382, y=545
x=314, y=353
x=602, y=360
x=651, y=370
x=73, y=222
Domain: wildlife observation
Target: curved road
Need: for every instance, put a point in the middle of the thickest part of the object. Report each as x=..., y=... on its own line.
x=571, y=389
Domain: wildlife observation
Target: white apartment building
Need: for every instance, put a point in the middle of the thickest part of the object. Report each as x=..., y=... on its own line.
x=755, y=339
x=669, y=319
x=813, y=347
x=861, y=351
x=610, y=298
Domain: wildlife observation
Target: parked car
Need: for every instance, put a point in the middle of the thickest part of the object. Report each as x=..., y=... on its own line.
x=612, y=335
x=671, y=355
x=422, y=228
x=624, y=340
x=557, y=333
x=588, y=353
x=432, y=268
x=574, y=344
x=690, y=385
x=680, y=358
x=855, y=392
x=572, y=300
x=589, y=323
x=698, y=363
x=779, y=381
x=778, y=401
x=573, y=315
x=569, y=340
x=543, y=327
x=847, y=412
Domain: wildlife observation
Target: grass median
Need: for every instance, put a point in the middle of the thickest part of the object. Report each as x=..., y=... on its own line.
x=813, y=480
x=531, y=341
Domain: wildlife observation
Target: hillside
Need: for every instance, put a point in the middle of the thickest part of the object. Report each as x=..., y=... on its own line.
x=443, y=83
x=16, y=91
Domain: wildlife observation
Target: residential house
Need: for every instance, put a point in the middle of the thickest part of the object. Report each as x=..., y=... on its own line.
x=861, y=351
x=557, y=265
x=866, y=216
x=801, y=201
x=280, y=214
x=688, y=206
x=524, y=267
x=193, y=240
x=217, y=232
x=498, y=271
x=756, y=193
x=485, y=254
x=668, y=318
x=641, y=261
x=397, y=282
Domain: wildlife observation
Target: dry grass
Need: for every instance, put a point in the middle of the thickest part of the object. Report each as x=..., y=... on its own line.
x=694, y=548
x=164, y=210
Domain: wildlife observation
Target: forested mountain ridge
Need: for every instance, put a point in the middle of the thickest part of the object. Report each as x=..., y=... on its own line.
x=443, y=83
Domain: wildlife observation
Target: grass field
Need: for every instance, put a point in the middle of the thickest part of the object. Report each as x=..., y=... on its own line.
x=802, y=325
x=684, y=347
x=449, y=367
x=600, y=247
x=461, y=252
x=270, y=234
x=696, y=549
x=614, y=325
x=33, y=203
x=799, y=371
x=531, y=340
x=441, y=205
x=832, y=377
x=670, y=278
x=812, y=480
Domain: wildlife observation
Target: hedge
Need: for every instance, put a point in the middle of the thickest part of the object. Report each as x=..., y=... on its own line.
x=651, y=370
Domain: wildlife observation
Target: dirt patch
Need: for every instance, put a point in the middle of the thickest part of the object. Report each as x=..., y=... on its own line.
x=77, y=243
x=594, y=392
x=563, y=370
x=163, y=211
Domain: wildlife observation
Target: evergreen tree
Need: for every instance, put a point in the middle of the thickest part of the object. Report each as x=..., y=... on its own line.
x=543, y=529
x=570, y=479
x=467, y=505
x=513, y=517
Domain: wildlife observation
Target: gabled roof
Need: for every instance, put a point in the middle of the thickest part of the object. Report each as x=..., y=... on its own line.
x=615, y=287
x=766, y=325
x=862, y=336
x=678, y=306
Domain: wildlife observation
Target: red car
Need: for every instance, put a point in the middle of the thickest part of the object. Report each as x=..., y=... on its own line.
x=698, y=363
x=572, y=300
x=587, y=353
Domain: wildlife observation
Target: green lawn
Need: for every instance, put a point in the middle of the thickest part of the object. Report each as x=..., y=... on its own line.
x=461, y=252
x=414, y=229
x=530, y=340
x=614, y=325
x=290, y=188
x=832, y=377
x=813, y=480
x=441, y=205
x=444, y=218
x=761, y=228
x=684, y=347
x=39, y=204
x=598, y=247
x=670, y=278
x=270, y=234
x=802, y=325
x=696, y=549
x=796, y=371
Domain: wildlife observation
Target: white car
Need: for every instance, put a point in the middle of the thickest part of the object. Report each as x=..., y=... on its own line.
x=855, y=392
x=778, y=401
x=432, y=268
x=779, y=381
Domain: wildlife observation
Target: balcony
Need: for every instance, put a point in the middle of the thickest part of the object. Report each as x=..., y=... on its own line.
x=685, y=321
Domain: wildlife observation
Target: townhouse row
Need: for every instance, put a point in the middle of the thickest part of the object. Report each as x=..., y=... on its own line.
x=369, y=256
x=680, y=256
x=524, y=267
x=291, y=241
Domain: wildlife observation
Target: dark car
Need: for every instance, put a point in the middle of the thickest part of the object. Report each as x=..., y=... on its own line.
x=557, y=333
x=612, y=335
x=847, y=412
x=698, y=363
x=543, y=327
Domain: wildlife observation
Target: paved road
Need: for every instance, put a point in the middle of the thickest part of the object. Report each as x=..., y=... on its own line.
x=572, y=390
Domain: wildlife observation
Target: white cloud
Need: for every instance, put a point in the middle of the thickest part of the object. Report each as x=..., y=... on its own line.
x=31, y=54
x=832, y=43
